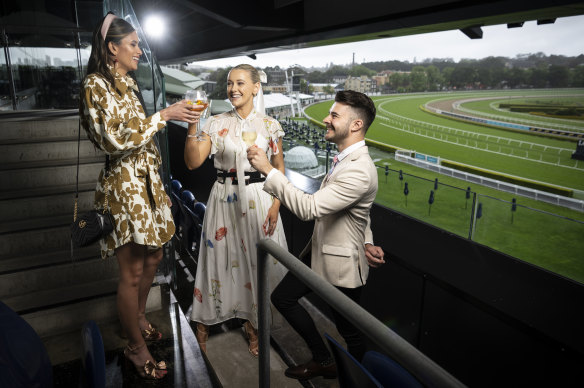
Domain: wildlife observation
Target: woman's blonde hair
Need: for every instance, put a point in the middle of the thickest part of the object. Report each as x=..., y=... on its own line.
x=253, y=72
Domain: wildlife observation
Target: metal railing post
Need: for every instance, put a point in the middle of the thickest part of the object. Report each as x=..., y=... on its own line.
x=418, y=364
x=263, y=317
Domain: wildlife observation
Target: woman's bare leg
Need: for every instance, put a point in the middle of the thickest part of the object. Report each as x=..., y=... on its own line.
x=131, y=260
x=150, y=267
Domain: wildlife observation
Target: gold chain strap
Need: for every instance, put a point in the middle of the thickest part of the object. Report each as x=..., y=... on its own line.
x=105, y=204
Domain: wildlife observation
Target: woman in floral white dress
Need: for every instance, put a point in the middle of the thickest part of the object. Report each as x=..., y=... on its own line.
x=235, y=219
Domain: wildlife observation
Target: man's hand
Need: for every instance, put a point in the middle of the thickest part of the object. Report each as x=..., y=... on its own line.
x=259, y=160
x=271, y=220
x=374, y=255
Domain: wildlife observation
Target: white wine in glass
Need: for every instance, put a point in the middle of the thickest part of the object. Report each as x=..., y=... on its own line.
x=197, y=99
x=248, y=135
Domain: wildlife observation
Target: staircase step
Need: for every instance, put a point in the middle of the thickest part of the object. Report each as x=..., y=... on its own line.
x=10, y=264
x=25, y=223
x=17, y=153
x=60, y=296
x=92, y=301
x=39, y=128
x=34, y=192
x=17, y=209
x=36, y=164
x=26, y=284
x=41, y=176
x=33, y=241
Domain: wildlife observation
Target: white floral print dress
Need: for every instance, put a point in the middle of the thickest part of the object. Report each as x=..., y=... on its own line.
x=226, y=279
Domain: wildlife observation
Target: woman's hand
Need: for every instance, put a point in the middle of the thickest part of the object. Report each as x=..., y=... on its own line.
x=180, y=111
x=272, y=219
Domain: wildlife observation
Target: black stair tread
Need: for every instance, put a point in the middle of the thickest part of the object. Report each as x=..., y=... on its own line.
x=39, y=114
x=43, y=259
x=46, y=190
x=48, y=139
x=52, y=163
x=36, y=223
x=46, y=299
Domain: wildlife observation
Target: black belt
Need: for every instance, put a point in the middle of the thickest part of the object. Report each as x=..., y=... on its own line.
x=254, y=177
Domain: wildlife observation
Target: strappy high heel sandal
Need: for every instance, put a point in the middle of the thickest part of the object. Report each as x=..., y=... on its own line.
x=151, y=334
x=252, y=336
x=201, y=334
x=148, y=370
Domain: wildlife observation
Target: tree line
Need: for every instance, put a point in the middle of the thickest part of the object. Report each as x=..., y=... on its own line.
x=523, y=71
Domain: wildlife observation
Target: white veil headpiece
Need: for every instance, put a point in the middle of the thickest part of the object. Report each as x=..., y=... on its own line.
x=260, y=106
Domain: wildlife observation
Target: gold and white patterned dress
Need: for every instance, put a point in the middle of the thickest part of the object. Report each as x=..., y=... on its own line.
x=226, y=280
x=116, y=123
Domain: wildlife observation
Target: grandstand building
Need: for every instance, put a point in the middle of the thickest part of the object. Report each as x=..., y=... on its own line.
x=446, y=310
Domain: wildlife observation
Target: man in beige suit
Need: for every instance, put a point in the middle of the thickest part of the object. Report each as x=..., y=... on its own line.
x=342, y=243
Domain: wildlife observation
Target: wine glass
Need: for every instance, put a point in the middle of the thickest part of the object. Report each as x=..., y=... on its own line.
x=197, y=100
x=248, y=135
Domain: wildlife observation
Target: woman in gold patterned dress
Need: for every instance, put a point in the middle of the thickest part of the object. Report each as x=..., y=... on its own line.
x=115, y=122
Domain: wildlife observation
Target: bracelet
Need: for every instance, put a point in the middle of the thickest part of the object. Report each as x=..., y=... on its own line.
x=192, y=136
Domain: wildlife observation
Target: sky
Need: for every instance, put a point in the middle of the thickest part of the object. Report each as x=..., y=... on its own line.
x=564, y=37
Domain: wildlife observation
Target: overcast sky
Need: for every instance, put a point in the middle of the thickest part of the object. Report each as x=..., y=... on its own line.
x=564, y=37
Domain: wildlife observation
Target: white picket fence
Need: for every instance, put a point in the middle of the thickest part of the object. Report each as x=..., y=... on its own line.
x=560, y=200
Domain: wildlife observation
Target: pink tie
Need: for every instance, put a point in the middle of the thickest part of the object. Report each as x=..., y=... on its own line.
x=335, y=161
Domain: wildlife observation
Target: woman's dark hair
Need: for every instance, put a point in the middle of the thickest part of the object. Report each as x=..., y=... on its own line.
x=361, y=103
x=98, y=59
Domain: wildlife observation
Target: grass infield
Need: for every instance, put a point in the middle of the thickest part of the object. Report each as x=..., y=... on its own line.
x=545, y=235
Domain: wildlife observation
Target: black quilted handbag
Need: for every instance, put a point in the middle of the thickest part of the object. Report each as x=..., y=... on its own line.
x=90, y=227
x=95, y=224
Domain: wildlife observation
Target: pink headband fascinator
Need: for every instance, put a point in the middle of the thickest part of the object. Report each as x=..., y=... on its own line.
x=106, y=24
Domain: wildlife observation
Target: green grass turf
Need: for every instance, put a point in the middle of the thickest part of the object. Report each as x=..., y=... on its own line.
x=545, y=235
x=409, y=106
x=488, y=107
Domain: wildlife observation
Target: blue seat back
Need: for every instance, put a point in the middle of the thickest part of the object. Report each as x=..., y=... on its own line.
x=199, y=210
x=176, y=186
x=24, y=361
x=388, y=372
x=351, y=373
x=93, y=356
x=189, y=199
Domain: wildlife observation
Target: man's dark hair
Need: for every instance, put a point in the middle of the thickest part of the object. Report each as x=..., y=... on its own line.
x=361, y=103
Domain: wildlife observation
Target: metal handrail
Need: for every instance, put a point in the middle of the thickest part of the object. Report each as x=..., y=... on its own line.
x=419, y=365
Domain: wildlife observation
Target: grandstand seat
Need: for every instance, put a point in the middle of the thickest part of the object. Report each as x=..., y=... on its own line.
x=351, y=373
x=93, y=357
x=189, y=199
x=24, y=361
x=388, y=372
x=176, y=187
x=199, y=210
x=175, y=208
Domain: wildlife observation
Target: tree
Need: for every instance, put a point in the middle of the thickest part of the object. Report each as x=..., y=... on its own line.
x=447, y=75
x=400, y=81
x=220, y=77
x=418, y=79
x=328, y=90
x=434, y=77
x=359, y=70
x=558, y=76
x=578, y=76
x=538, y=77
x=516, y=77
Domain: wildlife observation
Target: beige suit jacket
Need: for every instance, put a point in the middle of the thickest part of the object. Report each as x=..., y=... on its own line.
x=340, y=209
